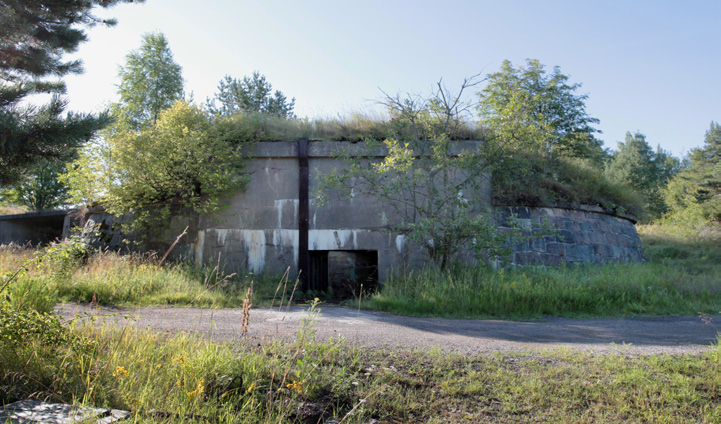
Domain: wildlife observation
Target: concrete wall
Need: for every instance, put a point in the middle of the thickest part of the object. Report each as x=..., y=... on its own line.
x=33, y=228
x=584, y=235
x=259, y=230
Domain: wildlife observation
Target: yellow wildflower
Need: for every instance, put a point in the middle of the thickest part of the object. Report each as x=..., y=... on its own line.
x=120, y=372
x=199, y=389
x=296, y=385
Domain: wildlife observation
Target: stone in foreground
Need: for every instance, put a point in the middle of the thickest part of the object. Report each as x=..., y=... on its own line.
x=35, y=411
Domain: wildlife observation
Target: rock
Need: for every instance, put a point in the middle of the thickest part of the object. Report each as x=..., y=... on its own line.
x=35, y=411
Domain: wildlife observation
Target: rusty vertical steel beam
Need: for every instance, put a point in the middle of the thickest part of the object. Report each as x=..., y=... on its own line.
x=303, y=213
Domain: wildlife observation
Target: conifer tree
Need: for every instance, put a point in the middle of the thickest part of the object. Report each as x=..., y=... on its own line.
x=250, y=95
x=698, y=188
x=34, y=36
x=635, y=164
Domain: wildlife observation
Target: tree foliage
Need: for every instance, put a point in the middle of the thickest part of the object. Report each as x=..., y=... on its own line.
x=34, y=36
x=432, y=184
x=697, y=189
x=528, y=108
x=635, y=164
x=40, y=188
x=186, y=161
x=88, y=177
x=150, y=81
x=250, y=95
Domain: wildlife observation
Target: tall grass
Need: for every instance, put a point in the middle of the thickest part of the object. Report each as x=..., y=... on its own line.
x=610, y=290
x=355, y=127
x=108, y=278
x=681, y=277
x=530, y=179
x=13, y=209
x=184, y=378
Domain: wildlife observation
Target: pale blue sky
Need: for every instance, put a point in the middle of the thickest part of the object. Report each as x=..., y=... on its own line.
x=651, y=66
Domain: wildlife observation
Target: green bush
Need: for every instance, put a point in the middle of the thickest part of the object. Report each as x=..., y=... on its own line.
x=62, y=258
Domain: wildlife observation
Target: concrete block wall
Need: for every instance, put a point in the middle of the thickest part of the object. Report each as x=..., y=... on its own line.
x=259, y=230
x=584, y=235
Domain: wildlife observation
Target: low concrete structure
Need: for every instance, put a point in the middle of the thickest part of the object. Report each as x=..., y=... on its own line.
x=348, y=239
x=275, y=224
x=32, y=228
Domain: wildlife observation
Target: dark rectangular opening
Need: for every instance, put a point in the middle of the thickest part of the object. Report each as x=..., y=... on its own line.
x=346, y=272
x=318, y=280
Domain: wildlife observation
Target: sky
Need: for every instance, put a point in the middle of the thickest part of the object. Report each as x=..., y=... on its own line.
x=648, y=66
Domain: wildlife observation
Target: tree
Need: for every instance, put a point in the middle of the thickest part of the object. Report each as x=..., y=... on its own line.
x=430, y=182
x=40, y=189
x=527, y=108
x=250, y=95
x=635, y=164
x=34, y=35
x=185, y=161
x=89, y=176
x=150, y=81
x=697, y=189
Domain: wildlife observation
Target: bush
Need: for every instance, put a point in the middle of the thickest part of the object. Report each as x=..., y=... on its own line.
x=61, y=258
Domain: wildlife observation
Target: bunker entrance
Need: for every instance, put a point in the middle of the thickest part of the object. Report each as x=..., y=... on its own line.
x=343, y=271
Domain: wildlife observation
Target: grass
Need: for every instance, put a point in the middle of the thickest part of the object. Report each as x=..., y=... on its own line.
x=173, y=378
x=181, y=378
x=13, y=209
x=532, y=293
x=354, y=127
x=107, y=278
x=681, y=277
x=531, y=180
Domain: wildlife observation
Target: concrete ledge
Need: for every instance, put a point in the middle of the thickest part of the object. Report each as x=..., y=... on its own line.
x=329, y=149
x=35, y=215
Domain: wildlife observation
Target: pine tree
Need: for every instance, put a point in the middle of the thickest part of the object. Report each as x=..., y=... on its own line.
x=699, y=186
x=636, y=165
x=250, y=95
x=34, y=36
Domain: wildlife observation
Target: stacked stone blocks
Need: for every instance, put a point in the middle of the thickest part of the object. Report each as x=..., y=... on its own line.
x=581, y=235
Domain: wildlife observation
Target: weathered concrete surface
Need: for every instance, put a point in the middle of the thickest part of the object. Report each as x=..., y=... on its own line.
x=673, y=335
x=259, y=230
x=584, y=235
x=33, y=228
x=35, y=411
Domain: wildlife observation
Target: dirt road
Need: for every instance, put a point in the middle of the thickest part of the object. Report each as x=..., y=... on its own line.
x=675, y=335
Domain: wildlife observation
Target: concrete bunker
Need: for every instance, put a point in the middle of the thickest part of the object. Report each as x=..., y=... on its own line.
x=275, y=224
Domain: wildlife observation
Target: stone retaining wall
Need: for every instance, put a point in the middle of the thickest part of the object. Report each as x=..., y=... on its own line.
x=584, y=235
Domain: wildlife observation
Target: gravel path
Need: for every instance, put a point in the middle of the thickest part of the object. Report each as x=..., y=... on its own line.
x=674, y=335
